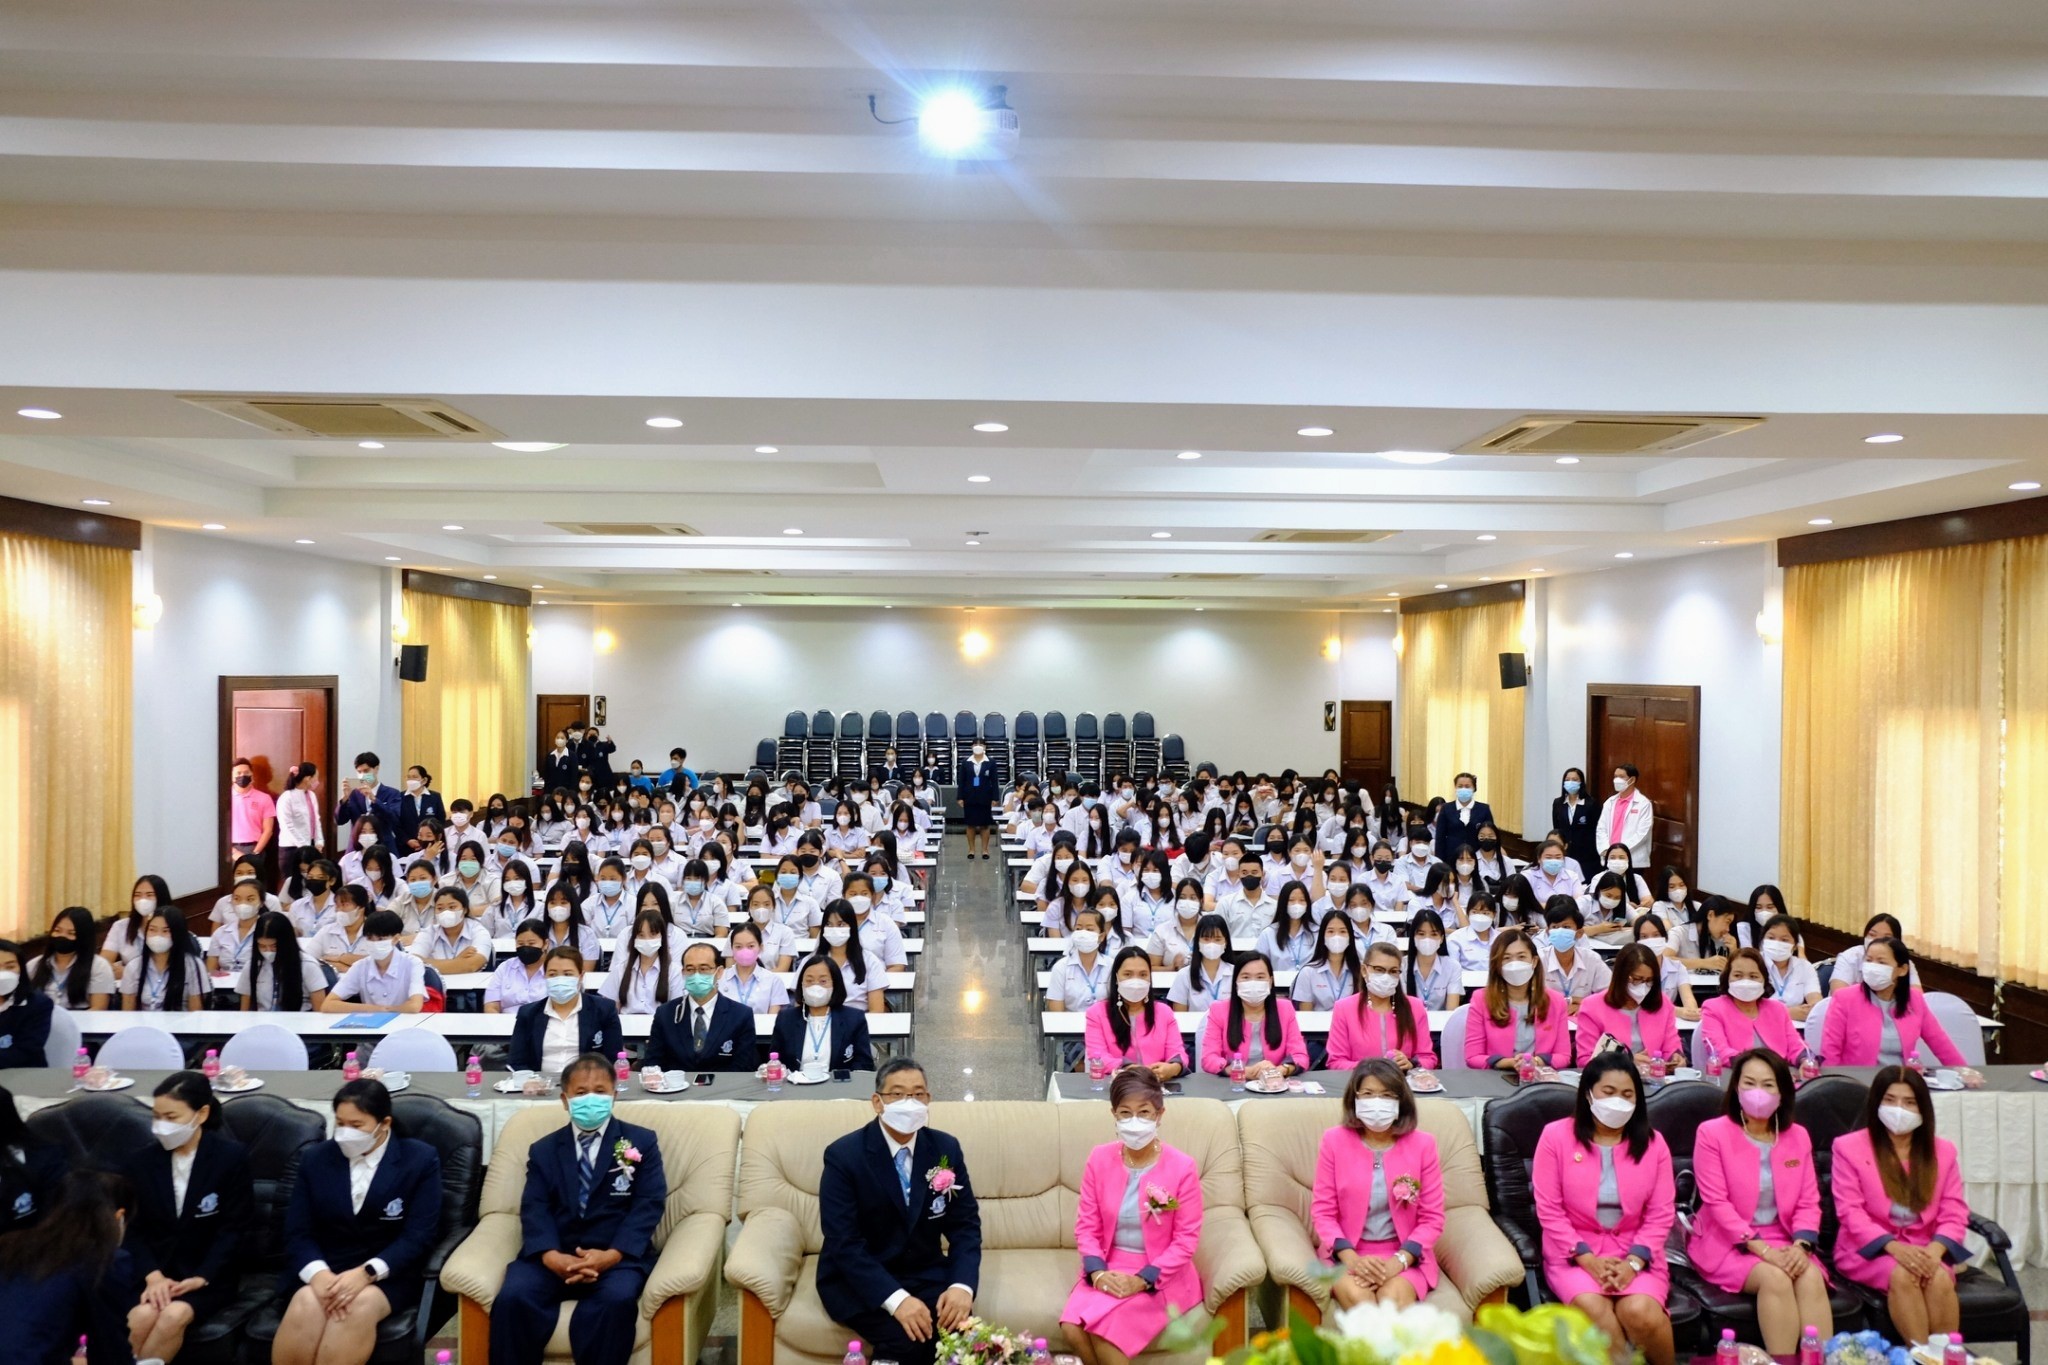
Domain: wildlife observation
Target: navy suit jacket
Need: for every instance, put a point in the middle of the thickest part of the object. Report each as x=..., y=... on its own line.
x=977, y=779
x=413, y=809
x=728, y=1042
x=597, y=1030
x=47, y=1316
x=626, y=1199
x=875, y=1244
x=559, y=770
x=594, y=756
x=27, y=1191
x=851, y=1050
x=25, y=1030
x=203, y=1238
x=400, y=1219
x=381, y=806
x=1450, y=831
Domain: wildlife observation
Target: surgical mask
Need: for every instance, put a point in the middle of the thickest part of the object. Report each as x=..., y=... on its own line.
x=817, y=996
x=1428, y=947
x=1571, y=787
x=700, y=984
x=354, y=1142
x=171, y=1136
x=1188, y=908
x=1255, y=992
x=266, y=954
x=1137, y=1134
x=380, y=949
x=1337, y=943
x=760, y=914
x=693, y=886
x=1517, y=973
x=412, y=784
x=1621, y=784
x=583, y=822
x=1655, y=945
x=1878, y=975
x=641, y=862
x=158, y=943
x=590, y=1112
x=1376, y=1112
x=1610, y=903
x=449, y=919
x=659, y=846
x=347, y=917
x=1639, y=991
x=906, y=1116
x=1383, y=984
x=1553, y=866
x=1300, y=860
x=460, y=819
x=529, y=954
x=786, y=880
x=1296, y=907
x=1337, y=887
x=1481, y=921
x=1420, y=849
x=609, y=887
x=246, y=909
x=559, y=913
x=469, y=867
x=1563, y=939
x=1150, y=879
x=1135, y=988
x=1778, y=950
x=1617, y=865
x=563, y=989
x=1466, y=869
x=1464, y=794
x=837, y=935
x=1086, y=941
x=1758, y=1104
x=367, y=778
x=647, y=947
x=1747, y=989
x=145, y=905
x=420, y=890
x=1210, y=949
x=1898, y=1118
x=1613, y=1110
x=1049, y=819
x=1230, y=862
x=1676, y=896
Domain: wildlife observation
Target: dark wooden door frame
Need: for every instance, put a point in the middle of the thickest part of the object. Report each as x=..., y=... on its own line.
x=1661, y=692
x=224, y=739
x=541, y=747
x=1369, y=705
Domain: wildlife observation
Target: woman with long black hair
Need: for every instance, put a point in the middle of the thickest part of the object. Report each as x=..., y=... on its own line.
x=69, y=971
x=62, y=1278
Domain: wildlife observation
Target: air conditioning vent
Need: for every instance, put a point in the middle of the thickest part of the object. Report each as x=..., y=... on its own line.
x=1322, y=537
x=355, y=419
x=1611, y=434
x=623, y=528
x=1212, y=577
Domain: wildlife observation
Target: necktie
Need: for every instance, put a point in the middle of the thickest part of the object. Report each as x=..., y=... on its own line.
x=586, y=1169
x=1614, y=825
x=903, y=1172
x=698, y=1033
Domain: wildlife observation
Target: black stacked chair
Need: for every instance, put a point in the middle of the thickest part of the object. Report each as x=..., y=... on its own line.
x=1026, y=754
x=909, y=739
x=995, y=733
x=1116, y=744
x=851, y=751
x=789, y=750
x=1144, y=746
x=764, y=755
x=938, y=748
x=818, y=748
x=1059, y=749
x=966, y=729
x=1173, y=758
x=881, y=735
x=1088, y=746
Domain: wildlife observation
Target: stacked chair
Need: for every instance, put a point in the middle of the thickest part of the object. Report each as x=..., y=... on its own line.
x=1116, y=743
x=851, y=751
x=789, y=750
x=1026, y=754
x=1059, y=749
x=881, y=735
x=966, y=730
x=1144, y=747
x=1173, y=758
x=1088, y=747
x=818, y=748
x=938, y=746
x=995, y=733
x=823, y=745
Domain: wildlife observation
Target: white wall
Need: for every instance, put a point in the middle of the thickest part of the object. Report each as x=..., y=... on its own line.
x=1689, y=621
x=234, y=609
x=1243, y=688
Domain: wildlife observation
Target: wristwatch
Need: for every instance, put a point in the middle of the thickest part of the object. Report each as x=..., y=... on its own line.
x=1636, y=1264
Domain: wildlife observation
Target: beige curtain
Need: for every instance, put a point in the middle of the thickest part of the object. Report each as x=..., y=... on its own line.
x=467, y=723
x=1455, y=715
x=2023, y=864
x=66, y=622
x=1890, y=780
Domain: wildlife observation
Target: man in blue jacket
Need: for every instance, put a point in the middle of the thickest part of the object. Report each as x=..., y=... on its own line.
x=368, y=796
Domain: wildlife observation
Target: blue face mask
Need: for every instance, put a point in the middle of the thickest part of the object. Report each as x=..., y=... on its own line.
x=1464, y=794
x=563, y=989
x=693, y=886
x=610, y=887
x=420, y=890
x=699, y=984
x=786, y=880
x=1571, y=788
x=1562, y=940
x=590, y=1112
x=1553, y=865
x=881, y=880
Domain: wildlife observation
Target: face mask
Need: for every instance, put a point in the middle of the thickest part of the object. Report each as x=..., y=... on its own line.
x=347, y=917
x=1252, y=881
x=1210, y=949
x=648, y=947
x=1488, y=845
x=559, y=913
x=1337, y=943
x=817, y=996
x=1085, y=941
x=1049, y=819
x=145, y=905
x=1571, y=787
x=1746, y=990
x=158, y=943
x=1188, y=908
x=1382, y=865
x=760, y=914
x=1612, y=1110
x=460, y=819
x=449, y=919
x=563, y=989
x=171, y=1136
x=420, y=890
x=1610, y=903
x=1420, y=850
x=1464, y=795
x=380, y=949
x=1229, y=862
x=609, y=887
x=837, y=935
x=354, y=1142
x=246, y=910
x=905, y=1116
x=641, y=862
x=1777, y=950
x=1137, y=1134
x=1467, y=869
x=1621, y=784
x=590, y=1112
x=1898, y=1119
x=1428, y=947
x=529, y=954
x=1481, y=921
x=1134, y=988
x=843, y=818
x=786, y=880
x=1639, y=991
x=1878, y=975
x=583, y=822
x=1553, y=866
x=1300, y=860
x=1517, y=973
x=1563, y=940
x=244, y=780
x=700, y=984
x=1376, y=1113
x=1255, y=992
x=1383, y=984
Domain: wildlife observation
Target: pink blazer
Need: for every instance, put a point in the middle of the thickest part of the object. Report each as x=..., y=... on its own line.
x=1725, y=1165
x=1852, y=1031
x=1730, y=1033
x=1354, y=1038
x=1216, y=1051
x=1596, y=1016
x=1343, y=1193
x=1158, y=1042
x=1487, y=1042
x=1567, y=1180
x=1865, y=1210
x=1170, y=1237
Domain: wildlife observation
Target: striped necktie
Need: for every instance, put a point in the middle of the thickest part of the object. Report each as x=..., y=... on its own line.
x=586, y=1168
x=903, y=1172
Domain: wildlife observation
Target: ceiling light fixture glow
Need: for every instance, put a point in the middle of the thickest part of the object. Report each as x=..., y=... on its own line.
x=40, y=414
x=1625, y=554
x=102, y=502
x=665, y=423
x=213, y=526
x=1820, y=521
x=767, y=450
x=1315, y=431
x=1441, y=586
x=792, y=530
x=2024, y=486
x=1489, y=537
x=490, y=578
x=1567, y=459
x=990, y=427
x=1162, y=535
x=451, y=526
x=1414, y=456
x=369, y=445
x=390, y=559
x=967, y=125
x=302, y=542
x=977, y=478
x=529, y=447
x=1190, y=455
x=1883, y=438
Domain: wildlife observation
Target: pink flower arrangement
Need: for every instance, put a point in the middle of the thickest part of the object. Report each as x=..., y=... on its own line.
x=1159, y=1200
x=625, y=1153
x=1407, y=1190
x=941, y=1178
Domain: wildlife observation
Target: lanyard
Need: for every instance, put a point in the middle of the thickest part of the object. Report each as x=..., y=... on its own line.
x=818, y=1038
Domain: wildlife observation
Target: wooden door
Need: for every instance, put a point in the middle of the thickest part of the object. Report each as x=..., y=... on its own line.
x=277, y=724
x=1658, y=730
x=557, y=712
x=1368, y=744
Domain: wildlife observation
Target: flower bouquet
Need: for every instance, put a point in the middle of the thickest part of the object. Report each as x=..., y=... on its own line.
x=1421, y=1334
x=976, y=1342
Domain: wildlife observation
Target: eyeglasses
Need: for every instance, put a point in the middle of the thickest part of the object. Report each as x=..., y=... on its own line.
x=920, y=1094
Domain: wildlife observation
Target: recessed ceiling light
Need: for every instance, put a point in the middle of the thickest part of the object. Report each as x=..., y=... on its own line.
x=974, y=542
x=2024, y=486
x=735, y=604
x=767, y=450
x=40, y=414
x=977, y=478
x=529, y=447
x=451, y=526
x=1883, y=438
x=390, y=559
x=1201, y=608
x=1567, y=459
x=102, y=502
x=1393, y=594
x=1190, y=455
x=490, y=578
x=1485, y=580
x=792, y=530
x=1441, y=586
x=1625, y=554
x=369, y=445
x=541, y=602
x=888, y=606
x=990, y=427
x=213, y=526
x=1414, y=456
x=1386, y=611
x=1162, y=535
x=1710, y=542
x=1820, y=521
x=302, y=542
x=1315, y=431
x=1489, y=537
x=665, y=423
x=1537, y=569
x=538, y=588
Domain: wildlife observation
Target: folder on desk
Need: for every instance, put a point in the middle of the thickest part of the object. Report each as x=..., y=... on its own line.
x=362, y=1021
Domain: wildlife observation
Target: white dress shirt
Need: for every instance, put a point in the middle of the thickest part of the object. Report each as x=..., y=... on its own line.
x=362, y=1171
x=181, y=1176
x=560, y=1044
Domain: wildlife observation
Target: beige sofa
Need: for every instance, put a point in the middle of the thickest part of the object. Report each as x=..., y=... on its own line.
x=1477, y=1262
x=699, y=1145
x=1024, y=1163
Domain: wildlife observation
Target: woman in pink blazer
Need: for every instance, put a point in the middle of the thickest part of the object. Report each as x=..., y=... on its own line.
x=1139, y=1221
x=1605, y=1200
x=1741, y=1017
x=1899, y=1197
x=1253, y=1026
x=1378, y=1204
x=1632, y=1011
x=1882, y=1021
x=1516, y=1013
x=1381, y=1022
x=1131, y=1027
x=1741, y=1242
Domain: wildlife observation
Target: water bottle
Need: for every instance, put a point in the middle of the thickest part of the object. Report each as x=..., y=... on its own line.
x=1657, y=1066
x=1236, y=1074
x=443, y=1357
x=773, y=1073
x=351, y=1069
x=210, y=1068
x=1096, y=1073
x=1809, y=1066
x=1809, y=1347
x=1713, y=1058
x=1039, y=1355
x=473, y=1075
x=1525, y=1068
x=853, y=1355
x=1727, y=1353
x=622, y=1071
x=81, y=1064
x=1955, y=1353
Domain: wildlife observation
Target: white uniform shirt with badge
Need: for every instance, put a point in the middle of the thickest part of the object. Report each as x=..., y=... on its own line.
x=142, y=979
x=1246, y=916
x=561, y=1041
x=441, y=944
x=609, y=918
x=1076, y=986
x=882, y=941
x=402, y=977
x=1200, y=984
x=1589, y=974
x=760, y=992
x=259, y=982
x=101, y=980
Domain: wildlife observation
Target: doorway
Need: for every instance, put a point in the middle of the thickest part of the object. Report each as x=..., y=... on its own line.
x=1658, y=730
x=277, y=723
x=1367, y=749
x=556, y=712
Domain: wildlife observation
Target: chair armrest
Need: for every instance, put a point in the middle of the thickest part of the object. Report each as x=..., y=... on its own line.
x=1227, y=1257
x=1525, y=1246
x=1289, y=1250
x=687, y=1261
x=767, y=1257
x=1476, y=1255
x=476, y=1269
x=1991, y=1232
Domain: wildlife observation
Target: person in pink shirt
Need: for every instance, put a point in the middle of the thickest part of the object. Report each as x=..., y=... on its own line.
x=1743, y=1016
x=1139, y=1222
x=1606, y=1203
x=1884, y=1020
x=1380, y=1021
x=1758, y=1221
x=1130, y=1027
x=1633, y=1012
x=1516, y=1014
x=252, y=815
x=1253, y=1027
x=1378, y=1200
x=1899, y=1198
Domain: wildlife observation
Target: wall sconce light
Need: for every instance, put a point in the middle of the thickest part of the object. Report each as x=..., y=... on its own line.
x=1770, y=625
x=605, y=641
x=1333, y=649
x=973, y=645
x=148, y=610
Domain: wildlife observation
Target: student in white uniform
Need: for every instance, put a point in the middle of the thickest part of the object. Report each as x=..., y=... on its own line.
x=566, y=927
x=415, y=906
x=608, y=910
x=518, y=898
x=1290, y=939
x=519, y=980
x=1848, y=968
x=278, y=976
x=1120, y=868
x=1206, y=979
x=780, y=945
x=839, y=940
x=313, y=890
x=746, y=979
x=1793, y=981
x=169, y=973
x=473, y=874
x=789, y=905
x=1472, y=944
x=1332, y=972
x=1432, y=973
x=1494, y=865
x=1075, y=889
x=1554, y=873
x=696, y=910
x=1172, y=944
x=878, y=935
x=234, y=939
x=1384, y=881
x=1081, y=975
x=340, y=941
x=1705, y=943
x=457, y=941
x=384, y=978
x=1196, y=859
x=1517, y=906
x=69, y=971
x=1416, y=864
x=1570, y=966
x=1151, y=899
x=1607, y=910
x=245, y=869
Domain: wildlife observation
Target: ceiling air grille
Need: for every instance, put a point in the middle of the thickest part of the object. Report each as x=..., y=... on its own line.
x=1321, y=537
x=355, y=419
x=623, y=528
x=1605, y=434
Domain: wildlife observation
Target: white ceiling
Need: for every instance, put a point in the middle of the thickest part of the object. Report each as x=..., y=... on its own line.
x=1409, y=224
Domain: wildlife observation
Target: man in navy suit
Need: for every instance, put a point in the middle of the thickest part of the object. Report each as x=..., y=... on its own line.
x=703, y=1031
x=594, y=1197
x=901, y=1261
x=1457, y=824
x=368, y=796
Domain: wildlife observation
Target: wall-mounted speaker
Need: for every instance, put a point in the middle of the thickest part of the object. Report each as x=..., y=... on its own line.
x=1514, y=670
x=412, y=663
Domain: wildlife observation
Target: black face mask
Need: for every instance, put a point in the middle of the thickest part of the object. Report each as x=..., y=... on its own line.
x=1382, y=865
x=1251, y=882
x=529, y=954
x=1489, y=845
x=316, y=886
x=807, y=861
x=244, y=780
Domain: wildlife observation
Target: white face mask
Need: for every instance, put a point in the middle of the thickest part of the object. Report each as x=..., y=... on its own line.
x=1747, y=989
x=1255, y=992
x=1337, y=943
x=1137, y=1134
x=1428, y=947
x=244, y=910
x=1511, y=903
x=1676, y=896
x=1383, y=984
x=1617, y=865
x=515, y=887
x=145, y=905
x=354, y=1142
x=1086, y=941
x=380, y=949
x=1639, y=991
x=1655, y=945
x=1188, y=908
x=1134, y=988
x=641, y=862
x=837, y=934
x=1897, y=1118
x=412, y=784
x=1481, y=921
x=817, y=996
x=860, y=904
x=1517, y=973
x=1778, y=950
x=1212, y=950
x=1376, y=1112
x=1300, y=860
x=449, y=919
x=1610, y=904
x=1621, y=784
x=158, y=943
x=906, y=1116
x=171, y=1136
x=8, y=982
x=1151, y=880
x=647, y=947
x=1613, y=1110
x=559, y=913
x=1878, y=975
x=460, y=819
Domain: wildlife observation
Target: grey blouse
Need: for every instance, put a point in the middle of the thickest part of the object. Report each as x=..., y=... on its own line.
x=1766, y=1184
x=1610, y=1190
x=1379, y=1215
x=1130, y=1227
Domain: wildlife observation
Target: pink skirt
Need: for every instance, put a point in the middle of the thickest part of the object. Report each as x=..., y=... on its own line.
x=1130, y=1324
x=1873, y=1272
x=1421, y=1276
x=1732, y=1271
x=1568, y=1282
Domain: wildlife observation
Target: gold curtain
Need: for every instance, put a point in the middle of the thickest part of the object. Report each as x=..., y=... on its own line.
x=1891, y=745
x=66, y=618
x=2023, y=864
x=467, y=723
x=1455, y=715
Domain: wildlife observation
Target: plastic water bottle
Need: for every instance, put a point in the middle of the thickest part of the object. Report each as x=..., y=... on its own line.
x=853, y=1355
x=210, y=1068
x=622, y=1071
x=1713, y=1059
x=1727, y=1353
x=351, y=1069
x=1039, y=1355
x=473, y=1075
x=81, y=1064
x=1955, y=1353
x=1525, y=1068
x=443, y=1357
x=1097, y=1073
x=773, y=1073
x=1809, y=1346
x=1236, y=1074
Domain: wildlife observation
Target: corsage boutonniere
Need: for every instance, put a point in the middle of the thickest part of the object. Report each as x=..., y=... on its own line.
x=1158, y=1200
x=1407, y=1190
x=626, y=1157
x=940, y=1178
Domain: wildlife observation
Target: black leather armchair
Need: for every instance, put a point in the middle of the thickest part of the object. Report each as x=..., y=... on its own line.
x=97, y=1131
